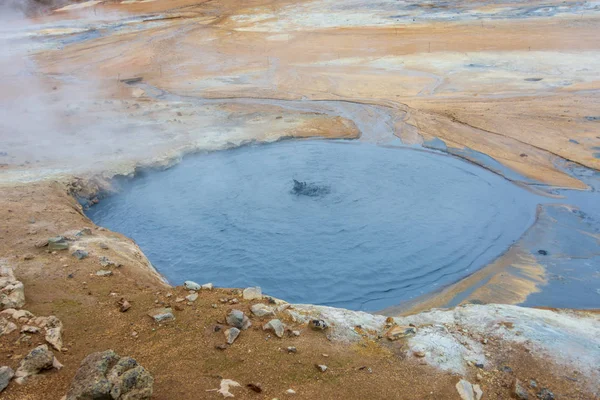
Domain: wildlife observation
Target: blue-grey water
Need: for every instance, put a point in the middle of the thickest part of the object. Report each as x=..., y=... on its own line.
x=391, y=224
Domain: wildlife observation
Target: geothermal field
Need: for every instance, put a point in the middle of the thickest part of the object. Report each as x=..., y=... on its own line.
x=312, y=199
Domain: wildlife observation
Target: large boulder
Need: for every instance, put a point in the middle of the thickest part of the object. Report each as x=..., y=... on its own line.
x=105, y=375
x=12, y=291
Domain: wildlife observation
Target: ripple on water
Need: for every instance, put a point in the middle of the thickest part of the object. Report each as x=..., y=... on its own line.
x=395, y=223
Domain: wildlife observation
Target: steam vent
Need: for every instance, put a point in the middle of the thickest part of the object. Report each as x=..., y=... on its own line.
x=307, y=199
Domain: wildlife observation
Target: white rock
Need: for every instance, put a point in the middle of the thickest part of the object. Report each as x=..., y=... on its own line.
x=290, y=391
x=262, y=310
x=207, y=286
x=252, y=293
x=478, y=392
x=191, y=285
x=322, y=368
x=465, y=390
x=192, y=297
x=225, y=387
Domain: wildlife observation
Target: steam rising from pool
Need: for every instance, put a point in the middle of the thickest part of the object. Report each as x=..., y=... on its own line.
x=394, y=224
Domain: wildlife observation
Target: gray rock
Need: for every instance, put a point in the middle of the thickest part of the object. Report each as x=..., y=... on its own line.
x=104, y=272
x=190, y=285
x=84, y=232
x=238, y=319
x=321, y=367
x=262, y=310
x=58, y=243
x=6, y=326
x=252, y=293
x=519, y=390
x=12, y=291
x=105, y=375
x=533, y=384
x=276, y=326
x=54, y=332
x=162, y=314
x=80, y=254
x=545, y=394
x=39, y=359
x=6, y=374
x=107, y=262
x=231, y=334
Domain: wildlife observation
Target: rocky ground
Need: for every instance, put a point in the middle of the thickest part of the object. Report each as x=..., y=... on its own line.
x=358, y=355
x=98, y=89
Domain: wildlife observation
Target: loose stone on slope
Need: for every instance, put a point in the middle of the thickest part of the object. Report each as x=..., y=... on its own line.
x=252, y=293
x=276, y=326
x=80, y=254
x=231, y=334
x=191, y=285
x=262, y=310
x=238, y=319
x=58, y=243
x=161, y=314
x=12, y=291
x=519, y=391
x=6, y=374
x=318, y=324
x=39, y=359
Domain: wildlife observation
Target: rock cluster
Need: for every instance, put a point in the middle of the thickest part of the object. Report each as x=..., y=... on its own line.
x=106, y=375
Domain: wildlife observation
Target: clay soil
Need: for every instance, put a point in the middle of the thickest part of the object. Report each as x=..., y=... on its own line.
x=182, y=354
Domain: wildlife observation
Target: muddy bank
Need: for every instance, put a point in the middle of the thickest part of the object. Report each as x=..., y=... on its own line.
x=182, y=357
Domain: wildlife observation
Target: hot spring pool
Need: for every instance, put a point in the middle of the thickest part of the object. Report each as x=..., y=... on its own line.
x=388, y=225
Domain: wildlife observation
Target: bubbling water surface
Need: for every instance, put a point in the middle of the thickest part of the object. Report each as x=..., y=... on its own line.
x=390, y=223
